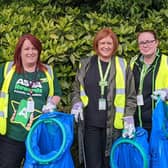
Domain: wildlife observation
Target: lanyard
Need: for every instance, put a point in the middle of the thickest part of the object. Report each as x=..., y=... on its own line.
x=30, y=87
x=103, y=79
x=144, y=71
x=30, y=83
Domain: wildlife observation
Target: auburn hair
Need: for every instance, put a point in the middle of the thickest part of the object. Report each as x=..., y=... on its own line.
x=17, y=54
x=102, y=34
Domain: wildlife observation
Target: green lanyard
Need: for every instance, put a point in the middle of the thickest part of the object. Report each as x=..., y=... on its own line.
x=103, y=79
x=144, y=72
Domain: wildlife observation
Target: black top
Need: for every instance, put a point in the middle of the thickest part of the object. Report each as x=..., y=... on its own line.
x=94, y=116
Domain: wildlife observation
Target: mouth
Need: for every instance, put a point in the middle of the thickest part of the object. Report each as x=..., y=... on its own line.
x=31, y=56
x=106, y=51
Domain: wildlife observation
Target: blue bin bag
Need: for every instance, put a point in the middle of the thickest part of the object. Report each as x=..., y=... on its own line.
x=159, y=136
x=49, y=141
x=131, y=153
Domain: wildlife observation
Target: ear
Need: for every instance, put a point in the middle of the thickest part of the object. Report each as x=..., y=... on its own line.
x=157, y=43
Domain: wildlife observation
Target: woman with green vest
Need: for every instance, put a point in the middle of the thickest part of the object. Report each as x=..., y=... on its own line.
x=150, y=69
x=26, y=86
x=104, y=96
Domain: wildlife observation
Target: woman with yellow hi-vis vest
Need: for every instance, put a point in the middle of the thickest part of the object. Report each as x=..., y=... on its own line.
x=26, y=85
x=150, y=69
x=104, y=96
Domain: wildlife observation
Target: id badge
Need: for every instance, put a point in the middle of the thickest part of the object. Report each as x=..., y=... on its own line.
x=22, y=115
x=140, y=101
x=30, y=105
x=24, y=111
x=102, y=104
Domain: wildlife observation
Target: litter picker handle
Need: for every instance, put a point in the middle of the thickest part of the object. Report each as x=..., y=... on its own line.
x=81, y=147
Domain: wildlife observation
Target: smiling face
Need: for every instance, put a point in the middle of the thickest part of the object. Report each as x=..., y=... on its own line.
x=147, y=44
x=29, y=54
x=105, y=48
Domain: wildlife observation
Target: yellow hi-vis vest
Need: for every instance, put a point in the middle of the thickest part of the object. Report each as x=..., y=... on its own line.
x=8, y=74
x=162, y=75
x=161, y=81
x=120, y=98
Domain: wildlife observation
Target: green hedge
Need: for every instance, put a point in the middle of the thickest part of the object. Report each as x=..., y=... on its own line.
x=67, y=27
x=67, y=31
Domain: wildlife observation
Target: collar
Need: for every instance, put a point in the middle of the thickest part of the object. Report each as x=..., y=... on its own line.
x=140, y=60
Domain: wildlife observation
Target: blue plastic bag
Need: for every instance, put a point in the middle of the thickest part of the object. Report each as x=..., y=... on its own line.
x=49, y=141
x=159, y=136
x=131, y=153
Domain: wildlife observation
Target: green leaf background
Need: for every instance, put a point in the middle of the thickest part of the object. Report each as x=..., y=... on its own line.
x=67, y=28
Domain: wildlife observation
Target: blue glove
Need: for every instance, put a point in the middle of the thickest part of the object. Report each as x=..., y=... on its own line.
x=77, y=111
x=162, y=94
x=129, y=127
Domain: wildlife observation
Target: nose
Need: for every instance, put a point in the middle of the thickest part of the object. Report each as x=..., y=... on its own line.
x=106, y=45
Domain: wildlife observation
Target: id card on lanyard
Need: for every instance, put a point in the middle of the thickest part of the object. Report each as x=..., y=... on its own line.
x=140, y=100
x=103, y=83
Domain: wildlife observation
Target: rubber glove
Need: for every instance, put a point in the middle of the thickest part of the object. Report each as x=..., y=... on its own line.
x=77, y=111
x=129, y=127
x=162, y=94
x=50, y=106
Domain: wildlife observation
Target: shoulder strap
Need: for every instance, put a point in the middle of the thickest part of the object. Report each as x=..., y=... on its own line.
x=133, y=61
x=162, y=74
x=50, y=76
x=8, y=67
x=8, y=73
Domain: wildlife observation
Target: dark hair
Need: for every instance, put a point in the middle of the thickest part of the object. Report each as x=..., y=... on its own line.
x=17, y=54
x=148, y=31
x=102, y=34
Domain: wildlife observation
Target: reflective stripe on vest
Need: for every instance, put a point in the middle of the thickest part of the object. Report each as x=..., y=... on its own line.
x=83, y=96
x=162, y=75
x=50, y=77
x=9, y=70
x=8, y=73
x=119, y=101
x=133, y=61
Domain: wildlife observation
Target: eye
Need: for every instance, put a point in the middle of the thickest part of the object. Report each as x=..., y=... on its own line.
x=34, y=48
x=146, y=42
x=26, y=48
x=101, y=43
